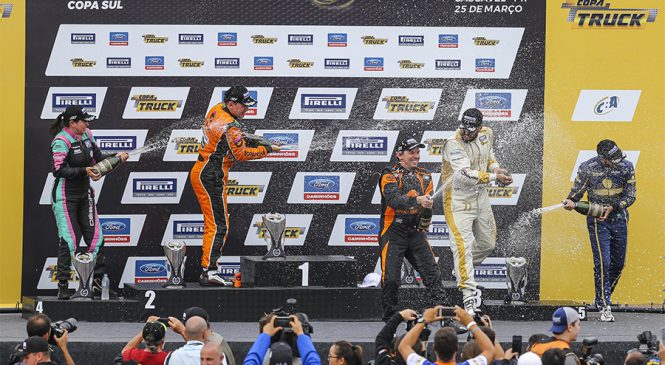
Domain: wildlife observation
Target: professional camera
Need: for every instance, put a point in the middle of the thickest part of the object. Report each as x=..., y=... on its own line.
x=648, y=346
x=58, y=328
x=282, y=319
x=587, y=358
x=424, y=335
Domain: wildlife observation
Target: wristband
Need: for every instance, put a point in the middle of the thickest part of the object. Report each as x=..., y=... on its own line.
x=472, y=323
x=475, y=330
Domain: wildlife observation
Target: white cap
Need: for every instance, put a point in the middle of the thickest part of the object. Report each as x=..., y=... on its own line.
x=371, y=280
x=529, y=358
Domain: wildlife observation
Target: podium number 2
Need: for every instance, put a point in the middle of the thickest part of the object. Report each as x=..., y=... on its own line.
x=150, y=294
x=305, y=273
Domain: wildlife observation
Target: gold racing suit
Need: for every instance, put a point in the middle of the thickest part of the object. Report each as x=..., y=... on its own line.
x=466, y=204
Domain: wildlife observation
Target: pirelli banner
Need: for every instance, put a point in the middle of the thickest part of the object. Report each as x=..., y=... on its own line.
x=338, y=84
x=592, y=94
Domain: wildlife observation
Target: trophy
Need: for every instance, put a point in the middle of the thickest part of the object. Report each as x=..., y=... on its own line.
x=516, y=279
x=408, y=274
x=274, y=223
x=84, y=264
x=175, y=254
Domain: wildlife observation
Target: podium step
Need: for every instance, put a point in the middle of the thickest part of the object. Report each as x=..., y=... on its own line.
x=113, y=310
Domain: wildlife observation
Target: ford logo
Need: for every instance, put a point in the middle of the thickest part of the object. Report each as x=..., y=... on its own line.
x=152, y=268
x=119, y=36
x=227, y=36
x=493, y=100
x=363, y=226
x=279, y=140
x=322, y=183
x=113, y=226
x=447, y=38
x=263, y=60
x=154, y=60
x=373, y=61
x=485, y=62
x=337, y=37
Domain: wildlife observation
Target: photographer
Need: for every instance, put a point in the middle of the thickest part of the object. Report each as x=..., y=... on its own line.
x=153, y=334
x=445, y=340
x=41, y=325
x=34, y=350
x=258, y=351
x=386, y=351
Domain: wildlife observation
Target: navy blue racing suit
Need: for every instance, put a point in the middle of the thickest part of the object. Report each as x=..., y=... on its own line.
x=614, y=186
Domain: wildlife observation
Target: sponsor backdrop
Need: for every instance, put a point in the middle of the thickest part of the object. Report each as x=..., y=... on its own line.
x=338, y=91
x=620, y=98
x=12, y=93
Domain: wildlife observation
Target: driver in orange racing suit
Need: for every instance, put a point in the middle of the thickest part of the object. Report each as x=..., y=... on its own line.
x=223, y=142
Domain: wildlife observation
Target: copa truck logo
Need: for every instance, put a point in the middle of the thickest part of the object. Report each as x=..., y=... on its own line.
x=599, y=14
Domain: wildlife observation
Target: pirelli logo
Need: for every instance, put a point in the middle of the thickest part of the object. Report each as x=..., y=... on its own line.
x=599, y=14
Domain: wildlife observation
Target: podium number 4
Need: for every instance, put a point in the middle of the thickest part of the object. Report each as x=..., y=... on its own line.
x=305, y=273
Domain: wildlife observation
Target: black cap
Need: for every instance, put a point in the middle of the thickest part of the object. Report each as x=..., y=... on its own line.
x=280, y=354
x=472, y=118
x=194, y=312
x=154, y=331
x=609, y=150
x=239, y=94
x=409, y=144
x=32, y=345
x=76, y=112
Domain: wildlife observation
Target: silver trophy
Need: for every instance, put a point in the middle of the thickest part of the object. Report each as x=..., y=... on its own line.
x=409, y=274
x=274, y=224
x=84, y=264
x=175, y=255
x=516, y=278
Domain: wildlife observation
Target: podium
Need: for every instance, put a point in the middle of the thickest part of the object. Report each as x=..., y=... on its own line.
x=327, y=271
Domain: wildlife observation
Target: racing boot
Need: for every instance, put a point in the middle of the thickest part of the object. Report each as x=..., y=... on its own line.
x=63, y=290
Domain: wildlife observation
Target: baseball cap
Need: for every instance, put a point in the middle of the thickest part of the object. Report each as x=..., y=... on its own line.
x=371, y=280
x=156, y=330
x=472, y=118
x=239, y=94
x=409, y=144
x=562, y=317
x=76, y=112
x=608, y=149
x=194, y=312
x=280, y=354
x=529, y=358
x=32, y=345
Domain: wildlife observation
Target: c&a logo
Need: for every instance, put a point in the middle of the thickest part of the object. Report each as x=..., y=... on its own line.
x=598, y=14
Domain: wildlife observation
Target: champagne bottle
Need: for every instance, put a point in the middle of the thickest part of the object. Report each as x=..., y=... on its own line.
x=590, y=209
x=106, y=165
x=425, y=219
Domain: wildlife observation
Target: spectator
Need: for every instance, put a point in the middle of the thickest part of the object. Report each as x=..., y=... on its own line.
x=635, y=358
x=34, y=350
x=40, y=325
x=533, y=339
x=279, y=353
x=386, y=353
x=445, y=340
x=470, y=350
x=224, y=347
x=565, y=327
x=153, y=335
x=486, y=327
x=345, y=353
x=211, y=354
x=554, y=356
x=196, y=334
x=529, y=358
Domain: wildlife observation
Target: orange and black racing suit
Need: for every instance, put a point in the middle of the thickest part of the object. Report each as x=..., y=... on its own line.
x=400, y=238
x=222, y=143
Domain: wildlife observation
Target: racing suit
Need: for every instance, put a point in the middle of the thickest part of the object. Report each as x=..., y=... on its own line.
x=222, y=143
x=614, y=186
x=466, y=203
x=399, y=237
x=73, y=199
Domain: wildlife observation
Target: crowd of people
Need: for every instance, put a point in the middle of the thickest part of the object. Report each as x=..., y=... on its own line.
x=286, y=340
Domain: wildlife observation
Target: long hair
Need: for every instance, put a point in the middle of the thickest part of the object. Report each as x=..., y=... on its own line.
x=57, y=125
x=353, y=354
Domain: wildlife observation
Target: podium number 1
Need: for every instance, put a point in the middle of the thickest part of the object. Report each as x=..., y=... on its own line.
x=305, y=273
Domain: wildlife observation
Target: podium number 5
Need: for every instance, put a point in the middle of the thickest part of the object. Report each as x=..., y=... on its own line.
x=305, y=273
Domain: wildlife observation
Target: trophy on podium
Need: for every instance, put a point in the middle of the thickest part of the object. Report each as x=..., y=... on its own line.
x=84, y=264
x=409, y=274
x=516, y=279
x=175, y=255
x=274, y=224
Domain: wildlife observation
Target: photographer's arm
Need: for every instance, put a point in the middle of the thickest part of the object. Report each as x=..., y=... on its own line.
x=406, y=346
x=62, y=344
x=308, y=353
x=258, y=351
x=484, y=342
x=135, y=342
x=385, y=336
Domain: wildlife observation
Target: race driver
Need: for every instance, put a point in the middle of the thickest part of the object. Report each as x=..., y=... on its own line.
x=223, y=143
x=468, y=166
x=405, y=190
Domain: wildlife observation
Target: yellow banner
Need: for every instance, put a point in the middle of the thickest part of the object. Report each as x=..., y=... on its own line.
x=604, y=79
x=12, y=91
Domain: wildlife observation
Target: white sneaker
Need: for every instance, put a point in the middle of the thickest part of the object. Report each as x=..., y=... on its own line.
x=470, y=306
x=606, y=314
x=212, y=278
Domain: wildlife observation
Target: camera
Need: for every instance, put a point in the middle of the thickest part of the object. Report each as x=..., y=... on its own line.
x=58, y=328
x=586, y=358
x=282, y=319
x=648, y=346
x=424, y=335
